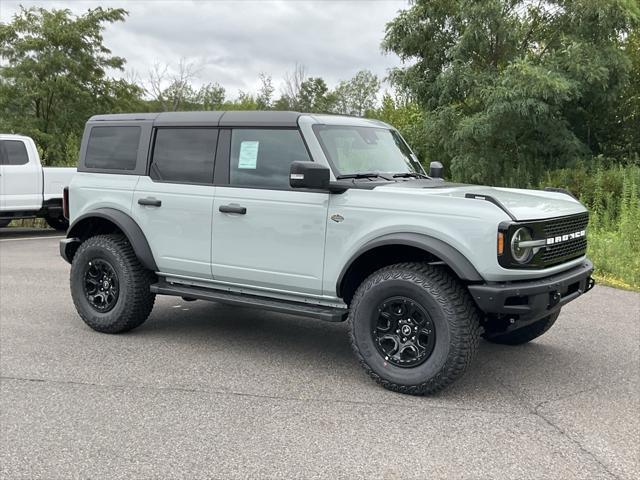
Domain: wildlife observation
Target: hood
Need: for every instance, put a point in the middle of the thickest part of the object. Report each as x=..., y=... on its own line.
x=520, y=204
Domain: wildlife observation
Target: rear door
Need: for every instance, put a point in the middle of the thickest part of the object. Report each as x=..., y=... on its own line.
x=20, y=179
x=173, y=203
x=266, y=235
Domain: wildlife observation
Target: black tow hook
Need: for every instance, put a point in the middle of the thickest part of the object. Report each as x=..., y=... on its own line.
x=554, y=299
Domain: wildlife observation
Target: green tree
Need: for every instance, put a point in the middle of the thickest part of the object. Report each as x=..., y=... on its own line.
x=245, y=101
x=625, y=138
x=264, y=99
x=314, y=96
x=210, y=96
x=513, y=88
x=356, y=96
x=53, y=77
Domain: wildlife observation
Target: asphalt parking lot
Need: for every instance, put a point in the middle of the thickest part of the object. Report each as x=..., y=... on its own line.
x=204, y=390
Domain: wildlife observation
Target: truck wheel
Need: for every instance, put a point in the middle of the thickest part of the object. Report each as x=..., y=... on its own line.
x=414, y=328
x=109, y=286
x=57, y=223
x=524, y=334
x=4, y=222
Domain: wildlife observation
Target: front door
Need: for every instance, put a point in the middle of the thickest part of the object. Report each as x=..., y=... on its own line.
x=266, y=235
x=173, y=204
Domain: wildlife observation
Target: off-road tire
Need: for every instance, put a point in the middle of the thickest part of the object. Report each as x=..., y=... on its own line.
x=447, y=302
x=57, y=223
x=135, y=299
x=524, y=334
x=4, y=222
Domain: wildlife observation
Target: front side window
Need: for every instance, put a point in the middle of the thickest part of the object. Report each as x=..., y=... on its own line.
x=13, y=152
x=263, y=157
x=113, y=148
x=353, y=150
x=184, y=155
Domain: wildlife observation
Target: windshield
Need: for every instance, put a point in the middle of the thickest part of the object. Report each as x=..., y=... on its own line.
x=366, y=150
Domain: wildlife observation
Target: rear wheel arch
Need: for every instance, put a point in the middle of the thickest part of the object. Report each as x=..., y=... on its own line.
x=110, y=220
x=396, y=248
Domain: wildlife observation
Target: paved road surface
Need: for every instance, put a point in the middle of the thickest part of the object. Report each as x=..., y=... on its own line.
x=208, y=391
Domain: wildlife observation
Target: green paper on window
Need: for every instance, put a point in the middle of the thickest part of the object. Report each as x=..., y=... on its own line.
x=248, y=155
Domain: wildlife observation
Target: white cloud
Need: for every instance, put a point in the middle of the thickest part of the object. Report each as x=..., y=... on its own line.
x=233, y=41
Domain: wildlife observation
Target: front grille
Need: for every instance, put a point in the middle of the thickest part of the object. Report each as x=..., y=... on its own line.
x=569, y=249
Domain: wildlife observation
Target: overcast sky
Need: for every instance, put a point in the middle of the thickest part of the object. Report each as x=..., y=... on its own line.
x=233, y=41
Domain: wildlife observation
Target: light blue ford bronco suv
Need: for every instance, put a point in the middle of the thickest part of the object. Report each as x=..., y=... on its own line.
x=324, y=216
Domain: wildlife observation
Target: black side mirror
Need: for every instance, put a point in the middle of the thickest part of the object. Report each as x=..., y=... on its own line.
x=436, y=170
x=309, y=175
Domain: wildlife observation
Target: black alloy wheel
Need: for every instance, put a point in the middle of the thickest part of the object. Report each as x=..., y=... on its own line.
x=403, y=332
x=101, y=285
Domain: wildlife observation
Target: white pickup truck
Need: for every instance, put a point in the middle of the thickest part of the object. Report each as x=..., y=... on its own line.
x=27, y=189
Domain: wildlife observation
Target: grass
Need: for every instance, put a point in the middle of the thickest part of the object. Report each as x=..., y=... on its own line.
x=30, y=223
x=616, y=264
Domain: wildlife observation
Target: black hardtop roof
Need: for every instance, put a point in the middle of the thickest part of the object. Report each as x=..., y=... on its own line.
x=213, y=118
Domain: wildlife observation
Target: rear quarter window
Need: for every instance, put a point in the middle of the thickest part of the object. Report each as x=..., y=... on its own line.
x=184, y=155
x=113, y=148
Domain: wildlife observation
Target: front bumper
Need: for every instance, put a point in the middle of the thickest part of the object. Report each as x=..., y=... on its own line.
x=526, y=301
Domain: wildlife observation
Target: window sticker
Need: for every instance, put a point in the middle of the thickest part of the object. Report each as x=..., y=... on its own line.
x=248, y=155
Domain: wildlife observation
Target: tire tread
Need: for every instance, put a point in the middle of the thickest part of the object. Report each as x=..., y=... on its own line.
x=454, y=299
x=137, y=281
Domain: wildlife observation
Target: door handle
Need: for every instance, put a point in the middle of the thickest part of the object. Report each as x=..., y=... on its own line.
x=151, y=202
x=233, y=209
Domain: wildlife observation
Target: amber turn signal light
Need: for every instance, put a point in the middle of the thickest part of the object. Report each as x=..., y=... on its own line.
x=500, y=243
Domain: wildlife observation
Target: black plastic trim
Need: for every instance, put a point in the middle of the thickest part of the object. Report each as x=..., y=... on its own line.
x=538, y=297
x=223, y=158
x=124, y=222
x=462, y=267
x=493, y=200
x=330, y=314
x=68, y=247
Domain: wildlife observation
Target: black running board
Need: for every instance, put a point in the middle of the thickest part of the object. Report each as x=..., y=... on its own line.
x=320, y=312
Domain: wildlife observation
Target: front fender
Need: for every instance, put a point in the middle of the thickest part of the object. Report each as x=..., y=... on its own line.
x=462, y=267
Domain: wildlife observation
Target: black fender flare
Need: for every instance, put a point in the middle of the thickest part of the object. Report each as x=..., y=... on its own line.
x=462, y=267
x=124, y=222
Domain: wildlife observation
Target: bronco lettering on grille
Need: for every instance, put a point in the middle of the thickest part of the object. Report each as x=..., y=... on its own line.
x=566, y=238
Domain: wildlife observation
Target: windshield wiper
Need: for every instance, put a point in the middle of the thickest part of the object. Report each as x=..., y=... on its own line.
x=410, y=175
x=362, y=175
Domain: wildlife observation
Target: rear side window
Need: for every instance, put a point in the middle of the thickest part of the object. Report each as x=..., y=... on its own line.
x=262, y=157
x=113, y=148
x=184, y=155
x=13, y=152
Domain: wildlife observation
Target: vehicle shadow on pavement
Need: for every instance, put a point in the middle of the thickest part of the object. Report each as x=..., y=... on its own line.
x=210, y=322
x=256, y=338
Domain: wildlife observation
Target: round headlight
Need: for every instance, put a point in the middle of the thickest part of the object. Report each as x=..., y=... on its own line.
x=518, y=253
